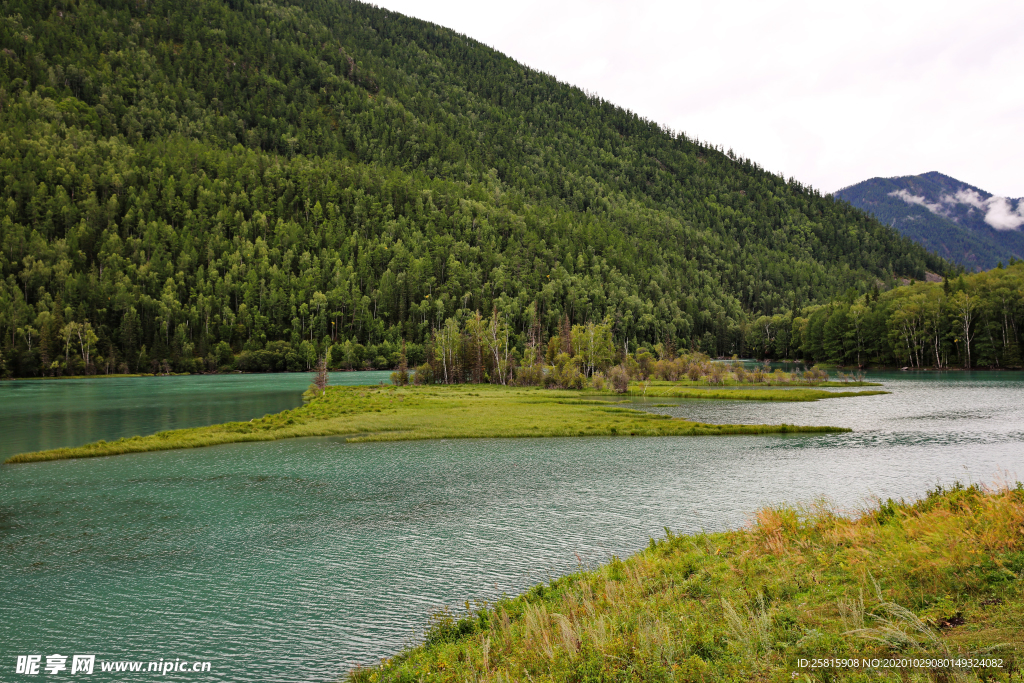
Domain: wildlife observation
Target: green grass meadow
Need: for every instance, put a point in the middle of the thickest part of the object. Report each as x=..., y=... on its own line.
x=389, y=413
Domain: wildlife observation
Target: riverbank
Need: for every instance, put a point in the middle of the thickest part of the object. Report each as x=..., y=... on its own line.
x=388, y=413
x=903, y=589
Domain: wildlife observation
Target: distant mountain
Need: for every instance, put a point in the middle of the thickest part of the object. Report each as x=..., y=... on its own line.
x=960, y=222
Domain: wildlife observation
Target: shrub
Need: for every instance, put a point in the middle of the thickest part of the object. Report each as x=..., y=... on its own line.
x=619, y=379
x=669, y=370
x=424, y=375
x=531, y=375
x=565, y=373
x=632, y=368
x=446, y=628
x=224, y=354
x=645, y=364
x=247, y=361
x=573, y=379
x=294, y=362
x=694, y=372
x=760, y=373
x=717, y=375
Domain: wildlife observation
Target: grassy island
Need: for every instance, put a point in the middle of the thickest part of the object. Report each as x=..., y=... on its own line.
x=387, y=413
x=748, y=392
x=934, y=580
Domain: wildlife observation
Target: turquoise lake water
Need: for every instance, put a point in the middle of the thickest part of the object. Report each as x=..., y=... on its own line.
x=39, y=414
x=296, y=560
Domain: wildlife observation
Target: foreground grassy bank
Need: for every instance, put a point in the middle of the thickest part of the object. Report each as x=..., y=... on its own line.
x=938, y=579
x=386, y=413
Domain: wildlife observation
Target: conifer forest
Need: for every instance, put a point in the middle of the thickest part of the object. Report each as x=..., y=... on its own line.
x=196, y=186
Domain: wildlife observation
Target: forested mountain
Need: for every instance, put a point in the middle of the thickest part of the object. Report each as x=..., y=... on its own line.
x=182, y=181
x=960, y=222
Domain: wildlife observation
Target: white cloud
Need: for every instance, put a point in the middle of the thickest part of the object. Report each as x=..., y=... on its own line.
x=1002, y=216
x=999, y=211
x=966, y=196
x=935, y=207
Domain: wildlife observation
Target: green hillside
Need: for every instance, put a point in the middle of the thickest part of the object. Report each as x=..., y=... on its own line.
x=181, y=181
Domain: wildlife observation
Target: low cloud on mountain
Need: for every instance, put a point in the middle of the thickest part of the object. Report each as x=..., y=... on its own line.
x=968, y=196
x=919, y=200
x=1000, y=213
x=1002, y=216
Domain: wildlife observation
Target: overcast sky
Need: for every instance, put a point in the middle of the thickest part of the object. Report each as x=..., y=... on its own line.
x=831, y=93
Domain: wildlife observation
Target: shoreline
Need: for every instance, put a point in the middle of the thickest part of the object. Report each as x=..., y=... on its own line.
x=389, y=413
x=829, y=383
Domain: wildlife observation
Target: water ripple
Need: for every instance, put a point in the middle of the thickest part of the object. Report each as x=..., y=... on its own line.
x=294, y=560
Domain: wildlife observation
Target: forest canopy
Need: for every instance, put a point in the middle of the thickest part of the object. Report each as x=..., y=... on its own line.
x=183, y=183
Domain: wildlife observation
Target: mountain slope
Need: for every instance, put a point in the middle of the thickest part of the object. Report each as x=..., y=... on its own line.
x=960, y=222
x=188, y=176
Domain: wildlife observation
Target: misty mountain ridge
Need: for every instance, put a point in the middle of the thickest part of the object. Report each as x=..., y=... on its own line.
x=961, y=222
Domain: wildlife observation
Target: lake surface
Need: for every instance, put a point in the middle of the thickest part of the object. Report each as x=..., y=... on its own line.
x=37, y=415
x=295, y=560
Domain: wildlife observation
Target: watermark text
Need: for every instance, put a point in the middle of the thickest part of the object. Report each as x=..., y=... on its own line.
x=34, y=665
